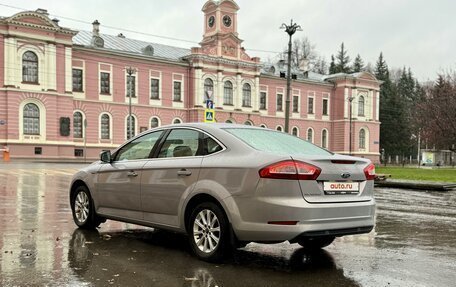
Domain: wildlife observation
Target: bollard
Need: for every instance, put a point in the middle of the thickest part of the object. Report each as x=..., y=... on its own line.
x=6, y=154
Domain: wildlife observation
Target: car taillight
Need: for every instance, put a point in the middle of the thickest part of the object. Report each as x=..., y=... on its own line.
x=290, y=169
x=369, y=171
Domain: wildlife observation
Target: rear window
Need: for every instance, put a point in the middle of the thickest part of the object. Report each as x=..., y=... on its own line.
x=276, y=142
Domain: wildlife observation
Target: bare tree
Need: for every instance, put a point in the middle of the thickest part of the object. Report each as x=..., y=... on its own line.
x=303, y=54
x=438, y=112
x=303, y=49
x=320, y=66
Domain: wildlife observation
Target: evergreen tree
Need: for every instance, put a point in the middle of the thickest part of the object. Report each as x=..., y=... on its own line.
x=358, y=64
x=405, y=105
x=381, y=69
x=343, y=60
x=387, y=91
x=332, y=66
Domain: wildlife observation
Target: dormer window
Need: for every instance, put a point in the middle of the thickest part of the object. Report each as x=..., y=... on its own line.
x=148, y=50
x=30, y=67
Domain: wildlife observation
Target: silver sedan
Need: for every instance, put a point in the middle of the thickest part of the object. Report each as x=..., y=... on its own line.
x=227, y=185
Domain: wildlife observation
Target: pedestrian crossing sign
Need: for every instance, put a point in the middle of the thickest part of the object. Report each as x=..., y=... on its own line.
x=209, y=116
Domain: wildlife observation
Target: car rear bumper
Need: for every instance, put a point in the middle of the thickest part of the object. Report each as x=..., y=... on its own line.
x=254, y=218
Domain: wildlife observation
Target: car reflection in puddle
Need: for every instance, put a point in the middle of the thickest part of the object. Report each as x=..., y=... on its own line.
x=158, y=258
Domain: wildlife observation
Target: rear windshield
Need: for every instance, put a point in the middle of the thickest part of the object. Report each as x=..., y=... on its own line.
x=276, y=142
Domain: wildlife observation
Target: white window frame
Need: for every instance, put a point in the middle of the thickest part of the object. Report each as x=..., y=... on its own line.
x=135, y=127
x=150, y=121
x=366, y=139
x=79, y=95
x=135, y=99
x=83, y=127
x=327, y=138
x=43, y=82
x=177, y=118
x=110, y=127
x=311, y=95
x=326, y=96
x=312, y=140
x=297, y=129
x=159, y=101
x=295, y=93
x=182, y=98
x=105, y=97
x=41, y=138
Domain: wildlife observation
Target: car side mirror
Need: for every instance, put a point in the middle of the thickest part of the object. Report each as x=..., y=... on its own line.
x=105, y=156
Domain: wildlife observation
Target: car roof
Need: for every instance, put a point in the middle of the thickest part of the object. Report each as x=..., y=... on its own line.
x=212, y=126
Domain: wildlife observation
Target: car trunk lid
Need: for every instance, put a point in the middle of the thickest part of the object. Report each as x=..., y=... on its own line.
x=342, y=179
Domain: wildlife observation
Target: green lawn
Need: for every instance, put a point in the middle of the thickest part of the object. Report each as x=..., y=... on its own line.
x=436, y=174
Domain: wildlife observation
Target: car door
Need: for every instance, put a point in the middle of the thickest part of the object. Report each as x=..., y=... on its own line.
x=119, y=182
x=170, y=175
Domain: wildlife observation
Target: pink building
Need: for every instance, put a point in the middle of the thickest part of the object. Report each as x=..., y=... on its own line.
x=65, y=93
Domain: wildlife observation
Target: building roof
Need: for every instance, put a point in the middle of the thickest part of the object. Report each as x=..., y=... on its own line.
x=122, y=44
x=274, y=69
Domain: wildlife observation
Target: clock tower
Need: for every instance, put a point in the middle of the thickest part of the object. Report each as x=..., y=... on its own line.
x=221, y=68
x=220, y=30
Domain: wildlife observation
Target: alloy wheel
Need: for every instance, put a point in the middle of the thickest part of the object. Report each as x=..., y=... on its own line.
x=81, y=207
x=206, y=231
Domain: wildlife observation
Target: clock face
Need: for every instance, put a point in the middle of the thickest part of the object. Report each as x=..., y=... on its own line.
x=227, y=21
x=211, y=21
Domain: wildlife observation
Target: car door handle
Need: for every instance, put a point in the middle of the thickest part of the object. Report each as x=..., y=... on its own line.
x=184, y=172
x=132, y=174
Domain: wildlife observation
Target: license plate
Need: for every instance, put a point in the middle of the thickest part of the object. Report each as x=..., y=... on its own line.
x=341, y=187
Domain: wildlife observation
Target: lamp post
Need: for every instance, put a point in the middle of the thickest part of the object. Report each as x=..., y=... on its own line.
x=419, y=149
x=290, y=29
x=130, y=72
x=350, y=99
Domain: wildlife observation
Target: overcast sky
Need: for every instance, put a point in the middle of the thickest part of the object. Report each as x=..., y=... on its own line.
x=414, y=33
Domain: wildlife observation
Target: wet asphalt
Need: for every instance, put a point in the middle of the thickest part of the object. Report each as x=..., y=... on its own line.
x=413, y=244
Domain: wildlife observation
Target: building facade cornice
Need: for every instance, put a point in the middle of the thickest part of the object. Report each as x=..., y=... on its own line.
x=223, y=61
x=309, y=82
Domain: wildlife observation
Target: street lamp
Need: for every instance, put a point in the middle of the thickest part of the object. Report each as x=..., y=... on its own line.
x=350, y=99
x=290, y=29
x=130, y=72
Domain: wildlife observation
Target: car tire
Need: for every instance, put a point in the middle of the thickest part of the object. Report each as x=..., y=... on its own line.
x=209, y=240
x=79, y=255
x=315, y=243
x=83, y=209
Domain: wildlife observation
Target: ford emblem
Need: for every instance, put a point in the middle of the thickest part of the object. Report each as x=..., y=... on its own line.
x=345, y=175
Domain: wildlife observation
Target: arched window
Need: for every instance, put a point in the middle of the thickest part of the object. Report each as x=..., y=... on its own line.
x=246, y=96
x=78, y=127
x=362, y=139
x=324, y=139
x=229, y=121
x=228, y=93
x=263, y=126
x=29, y=67
x=248, y=123
x=177, y=121
x=208, y=89
x=31, y=119
x=361, y=106
x=105, y=127
x=133, y=127
x=154, y=123
x=310, y=136
x=295, y=131
x=279, y=128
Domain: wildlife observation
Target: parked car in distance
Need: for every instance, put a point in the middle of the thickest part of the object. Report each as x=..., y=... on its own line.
x=227, y=185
